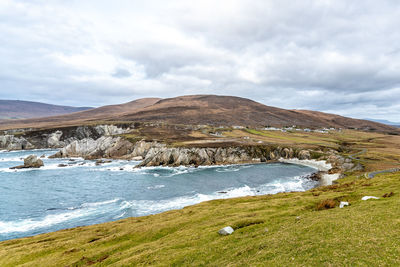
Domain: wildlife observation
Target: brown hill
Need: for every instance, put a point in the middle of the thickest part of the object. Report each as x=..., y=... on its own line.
x=204, y=109
x=16, y=109
x=111, y=112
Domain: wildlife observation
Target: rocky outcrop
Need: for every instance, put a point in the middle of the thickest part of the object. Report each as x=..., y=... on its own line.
x=176, y=156
x=341, y=164
x=170, y=156
x=103, y=147
x=31, y=161
x=304, y=154
x=54, y=140
x=12, y=142
x=57, y=138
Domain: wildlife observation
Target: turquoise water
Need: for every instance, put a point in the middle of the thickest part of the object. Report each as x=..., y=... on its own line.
x=51, y=198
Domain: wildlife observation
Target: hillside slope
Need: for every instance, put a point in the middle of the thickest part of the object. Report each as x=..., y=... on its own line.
x=102, y=113
x=16, y=109
x=229, y=110
x=203, y=109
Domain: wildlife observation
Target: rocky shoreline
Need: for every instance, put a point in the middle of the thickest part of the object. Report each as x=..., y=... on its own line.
x=106, y=142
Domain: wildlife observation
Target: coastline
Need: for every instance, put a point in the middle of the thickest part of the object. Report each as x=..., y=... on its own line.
x=321, y=165
x=223, y=193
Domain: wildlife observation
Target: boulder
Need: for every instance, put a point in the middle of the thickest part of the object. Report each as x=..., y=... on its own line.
x=226, y=231
x=31, y=161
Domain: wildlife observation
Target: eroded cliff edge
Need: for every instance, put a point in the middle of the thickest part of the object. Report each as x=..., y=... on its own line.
x=107, y=141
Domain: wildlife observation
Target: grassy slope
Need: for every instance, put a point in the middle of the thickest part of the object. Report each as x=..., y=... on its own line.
x=366, y=233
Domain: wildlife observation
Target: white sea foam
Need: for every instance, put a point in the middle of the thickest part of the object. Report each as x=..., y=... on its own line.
x=320, y=165
x=12, y=159
x=158, y=186
x=144, y=207
x=85, y=210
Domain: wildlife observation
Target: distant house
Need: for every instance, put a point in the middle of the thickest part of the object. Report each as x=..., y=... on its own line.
x=272, y=129
x=237, y=127
x=218, y=134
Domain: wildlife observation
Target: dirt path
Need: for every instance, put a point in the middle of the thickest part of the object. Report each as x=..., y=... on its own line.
x=373, y=174
x=352, y=156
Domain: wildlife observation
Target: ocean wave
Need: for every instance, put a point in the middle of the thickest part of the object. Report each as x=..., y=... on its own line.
x=83, y=211
x=122, y=207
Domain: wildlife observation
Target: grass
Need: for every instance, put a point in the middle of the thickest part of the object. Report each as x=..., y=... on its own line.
x=285, y=229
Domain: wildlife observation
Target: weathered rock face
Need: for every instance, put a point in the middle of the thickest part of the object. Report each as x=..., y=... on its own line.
x=11, y=142
x=168, y=156
x=54, y=140
x=172, y=156
x=341, y=164
x=304, y=154
x=31, y=139
x=103, y=147
x=31, y=161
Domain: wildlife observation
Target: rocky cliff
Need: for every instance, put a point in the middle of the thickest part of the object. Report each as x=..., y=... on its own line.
x=103, y=141
x=37, y=139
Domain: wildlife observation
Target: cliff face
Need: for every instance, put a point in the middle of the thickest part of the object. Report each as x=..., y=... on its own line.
x=158, y=154
x=103, y=141
x=38, y=139
x=171, y=156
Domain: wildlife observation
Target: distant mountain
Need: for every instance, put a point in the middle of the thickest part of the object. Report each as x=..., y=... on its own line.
x=203, y=109
x=396, y=124
x=16, y=109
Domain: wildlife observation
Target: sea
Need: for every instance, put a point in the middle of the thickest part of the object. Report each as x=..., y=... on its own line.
x=35, y=201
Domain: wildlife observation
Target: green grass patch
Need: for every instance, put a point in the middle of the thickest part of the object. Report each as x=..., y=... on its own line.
x=285, y=229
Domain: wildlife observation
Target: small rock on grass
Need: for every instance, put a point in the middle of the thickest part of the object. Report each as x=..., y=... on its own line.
x=226, y=231
x=369, y=197
x=343, y=204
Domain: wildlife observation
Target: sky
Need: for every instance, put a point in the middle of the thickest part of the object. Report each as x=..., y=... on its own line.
x=334, y=56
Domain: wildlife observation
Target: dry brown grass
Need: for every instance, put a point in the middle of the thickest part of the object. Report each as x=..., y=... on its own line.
x=326, y=204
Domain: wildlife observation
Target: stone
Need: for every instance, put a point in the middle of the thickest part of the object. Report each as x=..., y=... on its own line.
x=102, y=161
x=343, y=204
x=62, y=165
x=369, y=197
x=226, y=231
x=31, y=161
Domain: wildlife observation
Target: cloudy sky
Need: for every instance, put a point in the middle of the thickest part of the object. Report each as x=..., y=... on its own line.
x=329, y=55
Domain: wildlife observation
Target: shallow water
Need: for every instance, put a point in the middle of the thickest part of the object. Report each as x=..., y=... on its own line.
x=51, y=198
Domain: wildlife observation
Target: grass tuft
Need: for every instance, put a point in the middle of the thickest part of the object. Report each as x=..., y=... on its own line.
x=326, y=204
x=388, y=194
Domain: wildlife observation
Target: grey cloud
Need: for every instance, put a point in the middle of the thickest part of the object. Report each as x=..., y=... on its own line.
x=121, y=73
x=336, y=56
